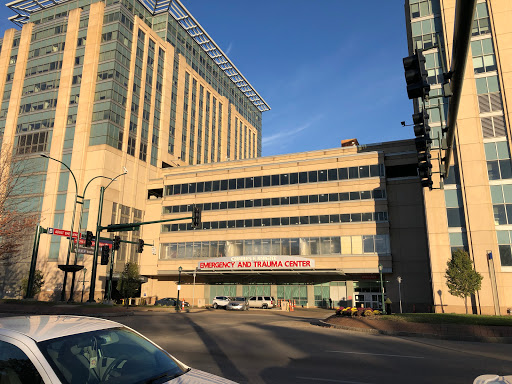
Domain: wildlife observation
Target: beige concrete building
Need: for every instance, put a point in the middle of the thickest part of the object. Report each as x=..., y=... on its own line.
x=103, y=86
x=339, y=212
x=473, y=211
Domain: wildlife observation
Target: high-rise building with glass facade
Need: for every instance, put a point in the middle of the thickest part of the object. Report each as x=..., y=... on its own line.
x=474, y=210
x=102, y=85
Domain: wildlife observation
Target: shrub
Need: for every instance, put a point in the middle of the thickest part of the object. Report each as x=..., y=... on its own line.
x=368, y=312
x=339, y=311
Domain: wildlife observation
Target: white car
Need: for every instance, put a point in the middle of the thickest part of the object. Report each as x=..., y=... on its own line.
x=221, y=301
x=262, y=302
x=76, y=349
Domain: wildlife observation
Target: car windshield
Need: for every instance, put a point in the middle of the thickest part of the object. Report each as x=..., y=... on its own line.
x=115, y=355
x=238, y=299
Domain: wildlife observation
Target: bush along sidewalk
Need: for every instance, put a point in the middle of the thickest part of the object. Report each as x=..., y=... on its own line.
x=353, y=311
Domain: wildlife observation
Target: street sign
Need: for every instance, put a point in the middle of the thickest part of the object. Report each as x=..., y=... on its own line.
x=61, y=232
x=90, y=250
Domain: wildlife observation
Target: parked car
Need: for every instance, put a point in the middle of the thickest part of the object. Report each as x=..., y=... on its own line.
x=170, y=301
x=76, y=349
x=220, y=301
x=262, y=302
x=238, y=303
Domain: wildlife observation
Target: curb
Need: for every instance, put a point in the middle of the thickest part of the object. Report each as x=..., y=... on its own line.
x=481, y=339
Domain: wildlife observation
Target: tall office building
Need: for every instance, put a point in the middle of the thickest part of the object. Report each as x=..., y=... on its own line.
x=474, y=210
x=106, y=85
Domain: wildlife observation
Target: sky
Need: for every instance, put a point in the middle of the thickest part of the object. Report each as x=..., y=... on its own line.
x=329, y=69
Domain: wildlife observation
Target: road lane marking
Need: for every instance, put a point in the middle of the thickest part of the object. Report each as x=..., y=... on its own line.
x=378, y=354
x=316, y=379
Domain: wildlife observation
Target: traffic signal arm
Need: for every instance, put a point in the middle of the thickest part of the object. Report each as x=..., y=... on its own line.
x=135, y=226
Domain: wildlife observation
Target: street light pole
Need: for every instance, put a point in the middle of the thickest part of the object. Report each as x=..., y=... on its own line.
x=63, y=292
x=83, y=285
x=79, y=230
x=179, y=288
x=97, y=243
x=382, y=290
x=399, y=279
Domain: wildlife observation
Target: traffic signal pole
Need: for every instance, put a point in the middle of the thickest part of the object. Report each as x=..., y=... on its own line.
x=464, y=14
x=96, y=246
x=109, y=292
x=33, y=262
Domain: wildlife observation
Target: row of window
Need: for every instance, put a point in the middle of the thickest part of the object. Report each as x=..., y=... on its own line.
x=277, y=201
x=303, y=246
x=334, y=174
x=35, y=125
x=282, y=221
x=53, y=66
x=38, y=106
x=40, y=87
x=52, y=48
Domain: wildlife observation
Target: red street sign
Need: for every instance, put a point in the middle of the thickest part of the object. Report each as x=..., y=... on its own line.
x=61, y=232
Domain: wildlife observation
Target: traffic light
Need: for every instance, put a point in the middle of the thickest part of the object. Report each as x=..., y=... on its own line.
x=105, y=253
x=88, y=239
x=416, y=76
x=196, y=217
x=140, y=246
x=423, y=144
x=117, y=243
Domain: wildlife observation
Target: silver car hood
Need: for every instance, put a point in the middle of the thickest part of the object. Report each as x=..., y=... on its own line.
x=195, y=376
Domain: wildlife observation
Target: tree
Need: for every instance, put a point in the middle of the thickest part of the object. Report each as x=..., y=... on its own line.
x=36, y=287
x=17, y=219
x=130, y=281
x=462, y=280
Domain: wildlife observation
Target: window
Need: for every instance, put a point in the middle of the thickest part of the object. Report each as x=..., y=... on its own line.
x=420, y=8
x=483, y=56
x=332, y=174
x=481, y=20
x=458, y=240
x=16, y=367
x=424, y=32
x=433, y=67
x=487, y=84
x=498, y=160
x=504, y=244
x=455, y=217
x=502, y=203
x=493, y=126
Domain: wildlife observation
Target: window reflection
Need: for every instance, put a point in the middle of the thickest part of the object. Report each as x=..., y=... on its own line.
x=304, y=246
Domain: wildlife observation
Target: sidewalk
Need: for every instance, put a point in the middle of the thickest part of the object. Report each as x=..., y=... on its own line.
x=79, y=309
x=481, y=333
x=44, y=308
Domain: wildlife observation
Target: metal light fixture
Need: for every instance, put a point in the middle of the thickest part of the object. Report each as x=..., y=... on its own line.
x=382, y=290
x=179, y=288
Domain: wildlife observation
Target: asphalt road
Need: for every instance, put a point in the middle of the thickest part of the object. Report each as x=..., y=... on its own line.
x=269, y=346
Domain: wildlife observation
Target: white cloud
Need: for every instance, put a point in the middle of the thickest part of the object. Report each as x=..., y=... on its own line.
x=276, y=137
x=228, y=50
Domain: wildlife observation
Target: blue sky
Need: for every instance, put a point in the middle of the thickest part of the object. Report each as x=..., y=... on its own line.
x=329, y=69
